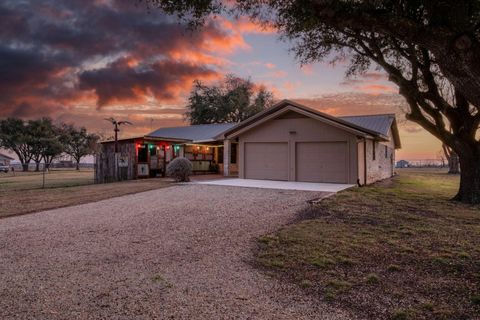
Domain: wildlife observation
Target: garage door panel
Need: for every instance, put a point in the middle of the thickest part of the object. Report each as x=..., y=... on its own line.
x=321, y=162
x=266, y=161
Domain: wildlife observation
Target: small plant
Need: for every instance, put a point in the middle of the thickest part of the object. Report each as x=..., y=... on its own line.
x=402, y=315
x=306, y=283
x=322, y=262
x=339, y=285
x=393, y=268
x=329, y=295
x=346, y=261
x=372, y=279
x=180, y=169
x=427, y=306
x=161, y=280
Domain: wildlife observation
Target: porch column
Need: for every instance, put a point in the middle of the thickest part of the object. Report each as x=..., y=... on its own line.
x=181, y=151
x=227, y=150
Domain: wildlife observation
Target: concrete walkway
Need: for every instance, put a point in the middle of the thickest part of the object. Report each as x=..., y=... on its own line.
x=283, y=185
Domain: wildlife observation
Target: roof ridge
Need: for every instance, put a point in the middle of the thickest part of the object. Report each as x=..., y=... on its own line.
x=198, y=125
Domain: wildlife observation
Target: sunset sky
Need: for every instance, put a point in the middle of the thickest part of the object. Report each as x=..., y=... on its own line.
x=81, y=61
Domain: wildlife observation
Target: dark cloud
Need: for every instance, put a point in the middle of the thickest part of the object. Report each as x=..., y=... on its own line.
x=120, y=81
x=55, y=52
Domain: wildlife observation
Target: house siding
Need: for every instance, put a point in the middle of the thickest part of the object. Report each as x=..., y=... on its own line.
x=382, y=167
x=293, y=130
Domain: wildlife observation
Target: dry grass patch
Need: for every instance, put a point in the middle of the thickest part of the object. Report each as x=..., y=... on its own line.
x=395, y=250
x=23, y=193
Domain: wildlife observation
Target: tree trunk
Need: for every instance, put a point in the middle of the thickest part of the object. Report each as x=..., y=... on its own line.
x=37, y=166
x=25, y=167
x=78, y=165
x=453, y=164
x=469, y=191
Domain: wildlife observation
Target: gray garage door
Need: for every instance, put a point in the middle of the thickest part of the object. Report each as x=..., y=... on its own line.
x=266, y=161
x=321, y=162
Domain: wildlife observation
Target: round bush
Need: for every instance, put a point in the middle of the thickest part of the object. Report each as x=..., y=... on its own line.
x=180, y=169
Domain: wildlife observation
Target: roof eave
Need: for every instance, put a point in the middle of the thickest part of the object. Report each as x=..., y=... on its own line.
x=275, y=111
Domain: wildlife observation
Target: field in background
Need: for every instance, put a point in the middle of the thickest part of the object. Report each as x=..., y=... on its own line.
x=56, y=178
x=398, y=249
x=22, y=192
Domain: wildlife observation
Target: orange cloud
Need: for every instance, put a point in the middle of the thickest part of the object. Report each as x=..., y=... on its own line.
x=245, y=25
x=307, y=69
x=278, y=74
x=377, y=89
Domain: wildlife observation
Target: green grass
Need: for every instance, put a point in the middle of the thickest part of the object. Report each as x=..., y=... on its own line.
x=56, y=178
x=22, y=192
x=387, y=250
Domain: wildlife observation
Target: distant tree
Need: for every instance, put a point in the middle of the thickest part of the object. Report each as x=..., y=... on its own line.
x=232, y=100
x=78, y=143
x=45, y=141
x=429, y=49
x=15, y=135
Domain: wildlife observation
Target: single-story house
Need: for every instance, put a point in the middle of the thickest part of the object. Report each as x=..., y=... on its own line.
x=403, y=164
x=288, y=141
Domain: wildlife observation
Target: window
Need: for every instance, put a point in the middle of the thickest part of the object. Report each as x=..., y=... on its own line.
x=143, y=153
x=386, y=152
x=233, y=153
x=220, y=154
x=373, y=152
x=153, y=150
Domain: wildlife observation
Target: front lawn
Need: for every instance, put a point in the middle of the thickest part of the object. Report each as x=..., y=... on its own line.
x=396, y=250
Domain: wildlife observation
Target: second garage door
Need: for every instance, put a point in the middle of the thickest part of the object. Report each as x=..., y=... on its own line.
x=266, y=161
x=321, y=162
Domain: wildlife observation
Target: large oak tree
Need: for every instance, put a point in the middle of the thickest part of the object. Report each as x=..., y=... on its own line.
x=429, y=48
x=231, y=100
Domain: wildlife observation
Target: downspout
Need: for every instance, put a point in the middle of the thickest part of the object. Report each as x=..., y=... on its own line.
x=365, y=161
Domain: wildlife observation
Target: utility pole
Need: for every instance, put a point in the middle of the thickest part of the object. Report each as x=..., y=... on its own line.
x=116, y=129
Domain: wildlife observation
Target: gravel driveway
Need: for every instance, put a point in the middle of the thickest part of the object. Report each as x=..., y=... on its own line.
x=181, y=252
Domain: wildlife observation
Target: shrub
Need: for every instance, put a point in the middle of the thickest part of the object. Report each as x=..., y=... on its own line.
x=372, y=279
x=180, y=169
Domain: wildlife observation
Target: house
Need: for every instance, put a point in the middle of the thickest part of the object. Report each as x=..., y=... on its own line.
x=292, y=142
x=5, y=160
x=288, y=142
x=148, y=155
x=403, y=164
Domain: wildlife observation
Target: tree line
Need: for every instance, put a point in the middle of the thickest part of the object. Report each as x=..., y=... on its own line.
x=43, y=140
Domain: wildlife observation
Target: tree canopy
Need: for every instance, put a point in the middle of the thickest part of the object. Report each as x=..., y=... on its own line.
x=78, y=143
x=430, y=49
x=15, y=135
x=42, y=140
x=232, y=100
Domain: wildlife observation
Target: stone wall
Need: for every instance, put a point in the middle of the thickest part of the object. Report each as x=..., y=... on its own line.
x=382, y=166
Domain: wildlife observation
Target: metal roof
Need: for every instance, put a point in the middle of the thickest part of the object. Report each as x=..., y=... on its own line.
x=194, y=133
x=6, y=157
x=380, y=123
